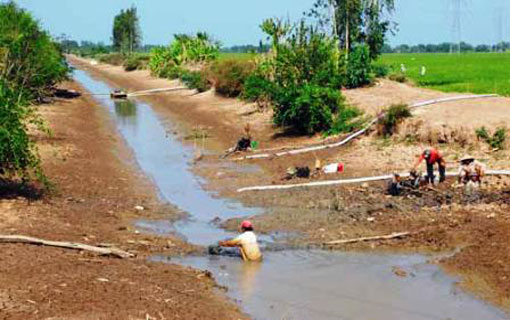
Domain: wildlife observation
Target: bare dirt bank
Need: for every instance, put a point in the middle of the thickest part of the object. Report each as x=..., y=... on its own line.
x=97, y=189
x=446, y=218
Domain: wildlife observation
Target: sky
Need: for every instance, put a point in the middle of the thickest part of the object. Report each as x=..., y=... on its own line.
x=235, y=22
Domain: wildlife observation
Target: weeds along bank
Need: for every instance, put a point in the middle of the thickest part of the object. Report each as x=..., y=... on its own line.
x=31, y=63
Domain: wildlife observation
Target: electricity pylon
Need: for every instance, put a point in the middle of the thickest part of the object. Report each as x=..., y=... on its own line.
x=456, y=10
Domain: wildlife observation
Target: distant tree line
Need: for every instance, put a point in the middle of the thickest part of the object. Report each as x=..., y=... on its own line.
x=248, y=48
x=90, y=48
x=446, y=47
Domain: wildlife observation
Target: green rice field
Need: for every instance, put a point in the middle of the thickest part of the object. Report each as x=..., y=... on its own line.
x=470, y=72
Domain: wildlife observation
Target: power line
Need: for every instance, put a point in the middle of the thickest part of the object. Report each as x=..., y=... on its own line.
x=457, y=8
x=499, y=18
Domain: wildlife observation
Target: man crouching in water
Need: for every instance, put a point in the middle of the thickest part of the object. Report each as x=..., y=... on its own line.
x=246, y=242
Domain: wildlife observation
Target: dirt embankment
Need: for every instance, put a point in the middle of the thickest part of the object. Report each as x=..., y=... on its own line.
x=443, y=218
x=97, y=190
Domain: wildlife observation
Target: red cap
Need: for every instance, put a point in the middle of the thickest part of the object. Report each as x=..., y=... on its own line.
x=246, y=225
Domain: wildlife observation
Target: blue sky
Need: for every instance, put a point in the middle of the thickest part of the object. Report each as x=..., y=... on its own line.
x=236, y=21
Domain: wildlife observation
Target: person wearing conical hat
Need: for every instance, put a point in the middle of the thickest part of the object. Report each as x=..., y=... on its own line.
x=471, y=171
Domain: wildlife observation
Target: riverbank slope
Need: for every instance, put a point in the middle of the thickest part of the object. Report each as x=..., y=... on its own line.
x=97, y=188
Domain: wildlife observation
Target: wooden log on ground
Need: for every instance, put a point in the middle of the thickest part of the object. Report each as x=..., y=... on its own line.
x=114, y=252
x=364, y=239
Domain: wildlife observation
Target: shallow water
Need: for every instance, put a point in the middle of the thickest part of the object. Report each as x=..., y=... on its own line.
x=287, y=284
x=167, y=162
x=304, y=285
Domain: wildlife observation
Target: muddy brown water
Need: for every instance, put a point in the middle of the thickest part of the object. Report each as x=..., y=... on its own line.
x=292, y=284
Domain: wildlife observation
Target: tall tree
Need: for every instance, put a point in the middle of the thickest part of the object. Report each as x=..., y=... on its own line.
x=126, y=35
x=355, y=21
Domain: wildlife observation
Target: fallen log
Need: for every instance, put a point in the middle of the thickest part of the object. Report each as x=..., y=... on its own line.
x=114, y=252
x=365, y=239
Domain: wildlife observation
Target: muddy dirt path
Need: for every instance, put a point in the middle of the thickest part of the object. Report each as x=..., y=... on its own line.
x=97, y=190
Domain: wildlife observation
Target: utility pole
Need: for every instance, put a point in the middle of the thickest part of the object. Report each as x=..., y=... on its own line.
x=457, y=10
x=456, y=16
x=500, y=27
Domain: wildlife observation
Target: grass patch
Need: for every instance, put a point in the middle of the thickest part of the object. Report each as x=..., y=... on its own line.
x=195, y=80
x=237, y=56
x=393, y=117
x=496, y=140
x=115, y=59
x=228, y=76
x=136, y=62
x=479, y=73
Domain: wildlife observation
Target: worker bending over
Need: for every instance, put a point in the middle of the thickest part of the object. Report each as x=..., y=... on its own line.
x=432, y=156
x=471, y=171
x=246, y=242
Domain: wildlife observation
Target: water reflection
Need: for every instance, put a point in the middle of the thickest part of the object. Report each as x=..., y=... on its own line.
x=249, y=272
x=126, y=111
x=167, y=161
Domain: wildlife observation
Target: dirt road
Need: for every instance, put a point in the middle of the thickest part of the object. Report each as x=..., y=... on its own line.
x=97, y=189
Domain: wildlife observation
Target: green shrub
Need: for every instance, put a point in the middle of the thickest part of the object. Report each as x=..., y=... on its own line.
x=482, y=134
x=258, y=89
x=303, y=76
x=359, y=68
x=347, y=119
x=160, y=62
x=18, y=155
x=131, y=64
x=398, y=77
x=115, y=58
x=380, y=70
x=172, y=72
x=191, y=49
x=496, y=141
x=308, y=108
x=29, y=59
x=195, y=80
x=228, y=76
x=392, y=117
x=165, y=61
x=30, y=65
x=302, y=79
x=136, y=62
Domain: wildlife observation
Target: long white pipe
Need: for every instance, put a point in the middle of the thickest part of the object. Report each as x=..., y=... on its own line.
x=151, y=91
x=362, y=131
x=350, y=181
